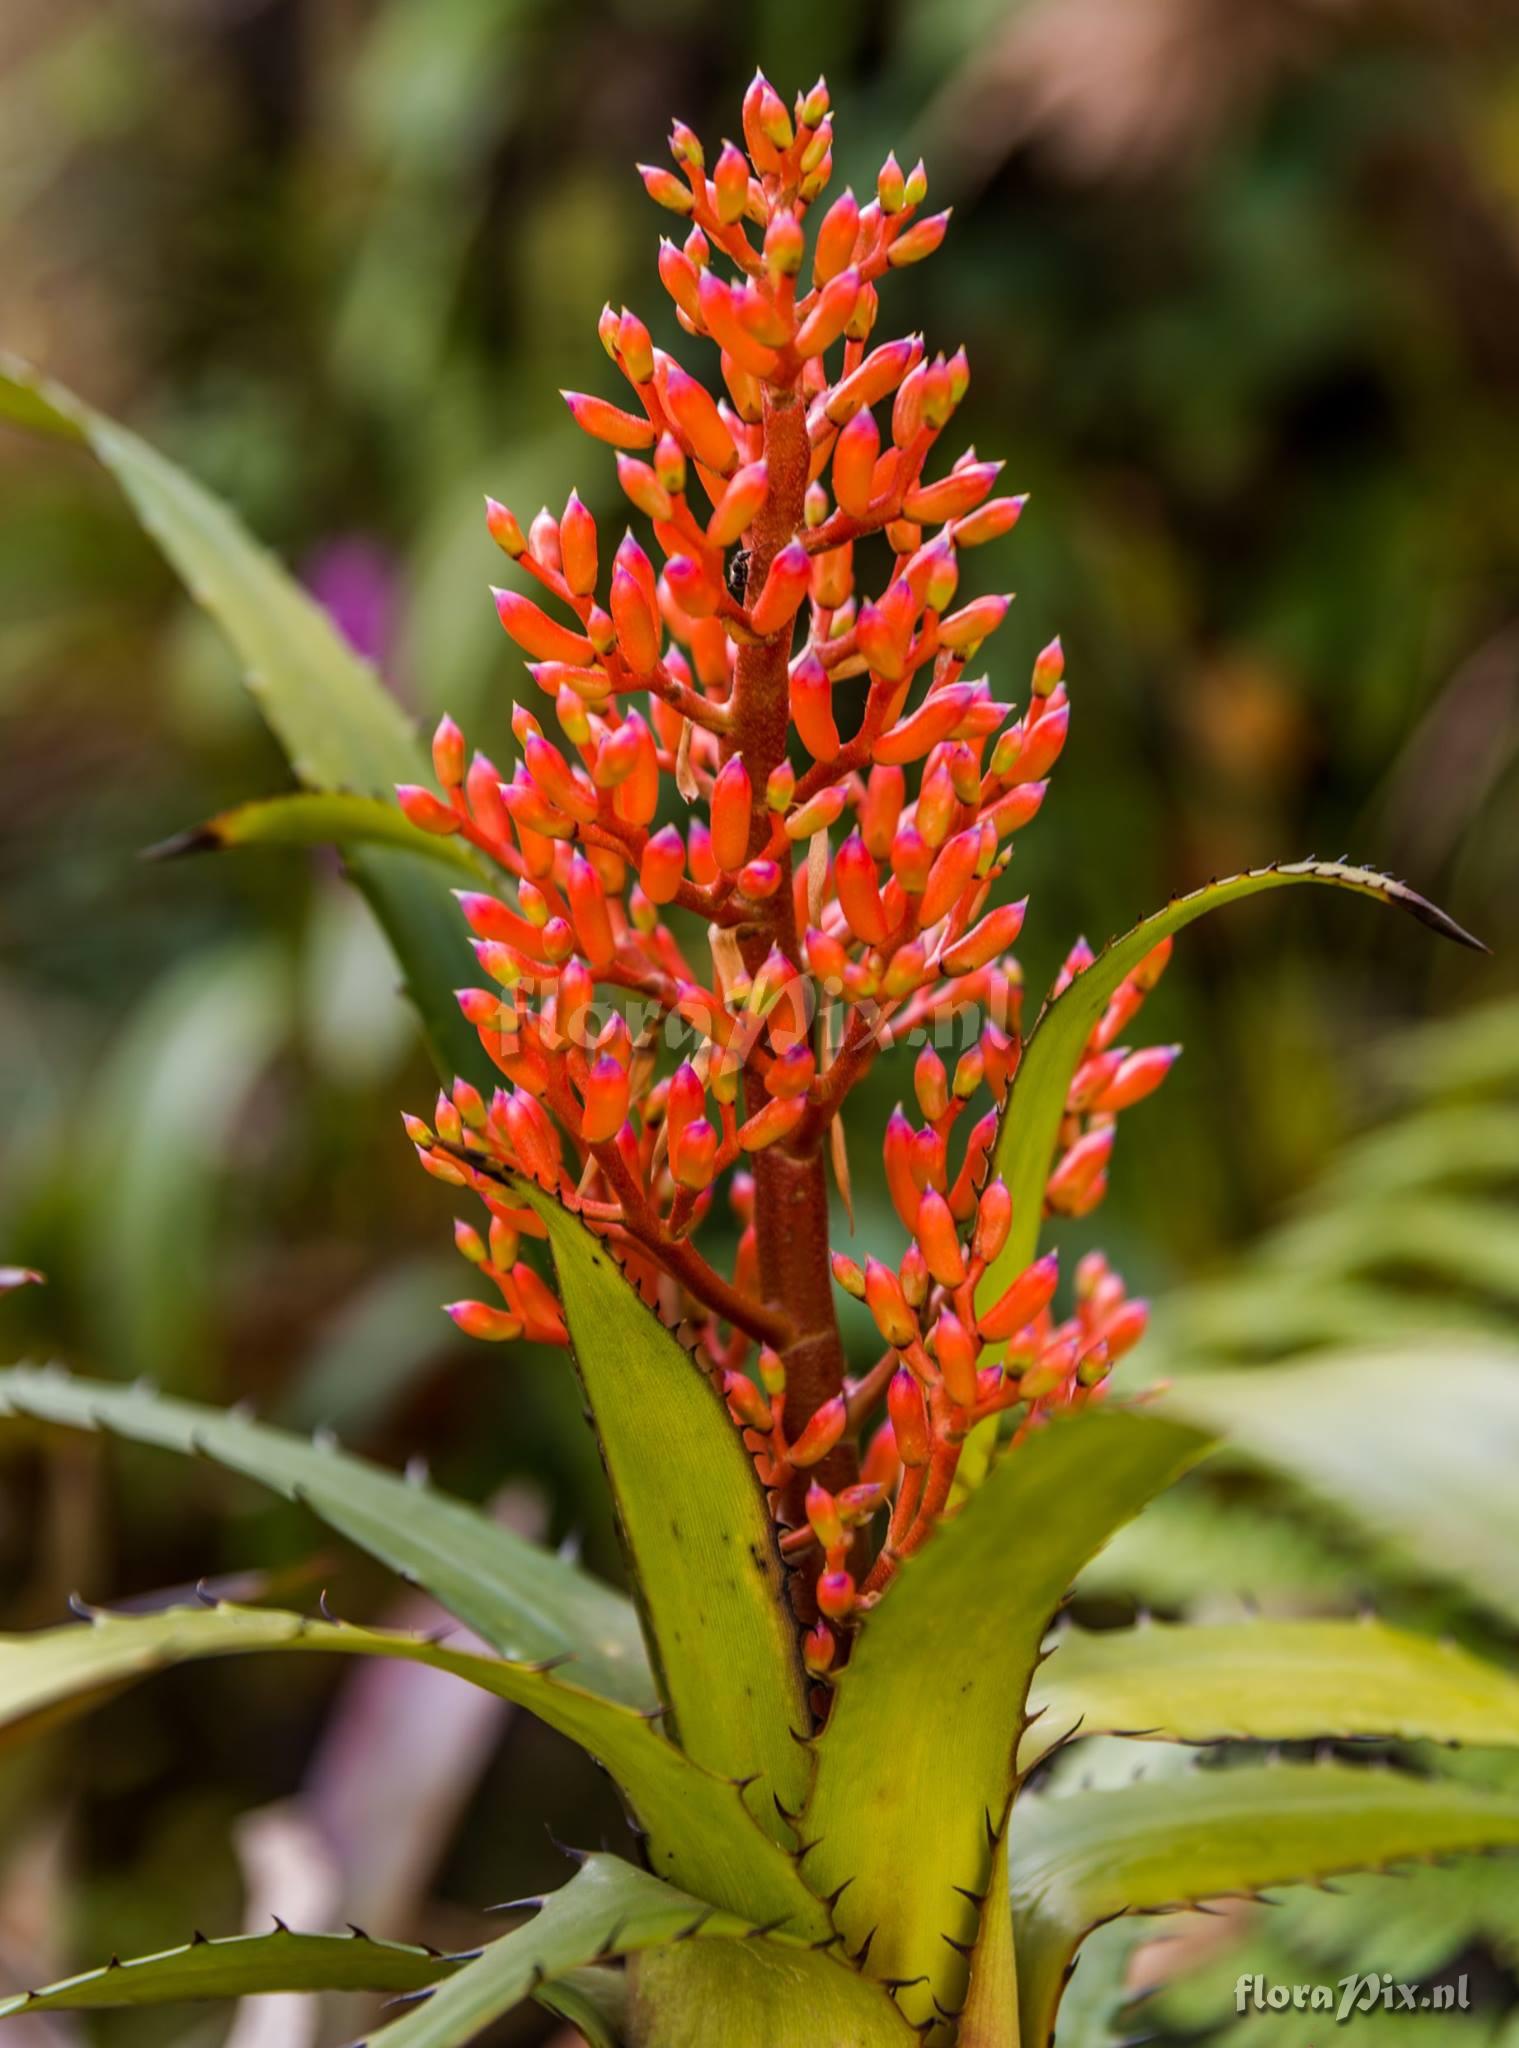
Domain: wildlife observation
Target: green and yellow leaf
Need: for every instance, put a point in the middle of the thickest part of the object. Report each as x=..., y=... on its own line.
x=527, y=1603
x=241, y=1966
x=916, y=1764
x=700, y=1540
x=319, y=818
x=696, y=1821
x=1269, y=1681
x=1030, y=1126
x=1082, y=1858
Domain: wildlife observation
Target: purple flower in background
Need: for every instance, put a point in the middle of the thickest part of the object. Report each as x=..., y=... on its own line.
x=354, y=580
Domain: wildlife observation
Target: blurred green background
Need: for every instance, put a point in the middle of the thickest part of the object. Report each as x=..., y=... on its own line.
x=1240, y=284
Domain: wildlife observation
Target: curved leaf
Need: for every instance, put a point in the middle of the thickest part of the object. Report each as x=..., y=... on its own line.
x=241, y=1966
x=593, y=1999
x=1441, y=1496
x=700, y=1540
x=526, y=1602
x=916, y=1761
x=55, y=1671
x=607, y=1909
x=1030, y=1126
x=339, y=727
x=1270, y=1681
x=1081, y=1858
x=317, y=818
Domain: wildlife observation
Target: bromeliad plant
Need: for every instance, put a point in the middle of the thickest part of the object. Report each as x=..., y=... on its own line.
x=767, y=849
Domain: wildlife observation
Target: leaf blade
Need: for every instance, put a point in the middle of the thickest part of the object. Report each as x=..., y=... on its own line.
x=317, y=818
x=1029, y=1129
x=696, y=1820
x=699, y=1535
x=881, y=1814
x=522, y=1599
x=1081, y=1858
x=1270, y=1681
x=240, y=1966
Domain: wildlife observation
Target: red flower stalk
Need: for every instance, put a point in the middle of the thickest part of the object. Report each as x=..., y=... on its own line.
x=756, y=839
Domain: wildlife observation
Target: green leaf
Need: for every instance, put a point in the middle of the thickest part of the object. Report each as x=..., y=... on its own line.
x=1441, y=1496
x=241, y=1966
x=915, y=1765
x=989, y=2018
x=700, y=1540
x=318, y=818
x=607, y=1909
x=1085, y=1857
x=593, y=1999
x=758, y=1994
x=1036, y=1101
x=527, y=1603
x=1270, y=1681
x=339, y=727
x=54, y=1671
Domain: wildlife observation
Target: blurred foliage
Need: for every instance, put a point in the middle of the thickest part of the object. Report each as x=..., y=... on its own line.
x=1240, y=285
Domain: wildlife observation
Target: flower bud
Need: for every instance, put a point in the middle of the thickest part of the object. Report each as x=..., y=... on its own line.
x=1028, y=1296
x=738, y=505
x=855, y=879
x=731, y=812
x=920, y=240
x=854, y=463
x=994, y=1220
x=909, y=1419
x=939, y=1238
x=821, y=1433
x=887, y=1303
x=984, y=941
x=784, y=588
x=477, y=1319
x=606, y=422
x=427, y=812
x=812, y=708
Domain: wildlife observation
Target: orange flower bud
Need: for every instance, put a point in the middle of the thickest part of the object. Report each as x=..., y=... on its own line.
x=1028, y=1296
x=955, y=1350
x=994, y=1220
x=1139, y=1075
x=696, y=417
x=476, y=1319
x=984, y=941
x=536, y=633
x=995, y=518
x=821, y=1433
x=730, y=180
x=855, y=878
x=812, y=708
x=964, y=630
x=854, y=463
x=606, y=1100
x=746, y=1404
x=818, y=1648
x=693, y=1154
x=887, y=1303
x=835, y=1591
x=837, y=234
x=731, y=813
x=1079, y=1171
x=784, y=588
x=952, y=495
x=768, y=1126
x=666, y=189
x=940, y=1240
x=427, y=812
x=920, y=240
x=606, y=422
x=830, y=314
x=908, y=1411
x=739, y=503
